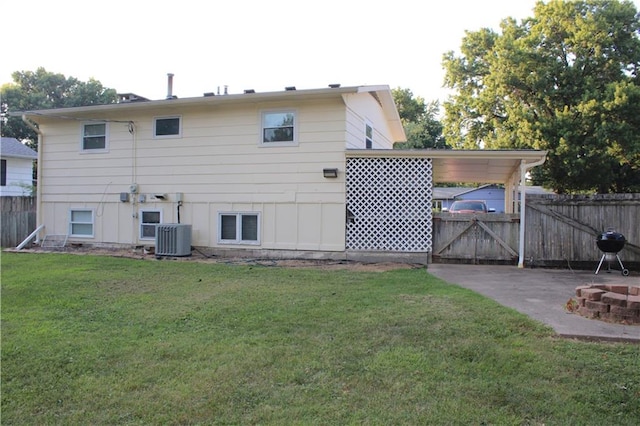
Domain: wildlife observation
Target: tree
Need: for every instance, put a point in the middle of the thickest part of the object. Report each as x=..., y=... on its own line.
x=566, y=81
x=43, y=90
x=419, y=120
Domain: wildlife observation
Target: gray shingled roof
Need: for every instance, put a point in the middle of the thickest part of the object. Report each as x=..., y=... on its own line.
x=12, y=147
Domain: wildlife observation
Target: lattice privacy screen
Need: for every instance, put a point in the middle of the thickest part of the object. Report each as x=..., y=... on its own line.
x=389, y=204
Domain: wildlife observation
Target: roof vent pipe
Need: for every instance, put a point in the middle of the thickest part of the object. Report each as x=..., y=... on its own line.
x=169, y=86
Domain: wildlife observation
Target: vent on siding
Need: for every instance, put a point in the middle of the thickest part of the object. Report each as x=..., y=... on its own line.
x=173, y=239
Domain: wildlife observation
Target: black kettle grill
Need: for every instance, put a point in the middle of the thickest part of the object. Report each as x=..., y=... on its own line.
x=610, y=243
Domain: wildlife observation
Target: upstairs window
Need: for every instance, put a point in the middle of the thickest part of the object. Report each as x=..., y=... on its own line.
x=239, y=228
x=278, y=128
x=3, y=173
x=166, y=127
x=94, y=137
x=368, y=136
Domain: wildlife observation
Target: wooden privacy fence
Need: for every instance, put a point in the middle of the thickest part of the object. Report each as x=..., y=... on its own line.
x=562, y=229
x=559, y=231
x=18, y=219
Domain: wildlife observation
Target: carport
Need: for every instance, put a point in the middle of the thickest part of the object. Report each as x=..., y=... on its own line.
x=387, y=191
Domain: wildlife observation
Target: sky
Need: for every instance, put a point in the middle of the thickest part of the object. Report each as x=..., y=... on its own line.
x=131, y=45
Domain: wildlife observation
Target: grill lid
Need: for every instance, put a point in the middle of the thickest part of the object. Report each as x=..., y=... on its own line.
x=610, y=241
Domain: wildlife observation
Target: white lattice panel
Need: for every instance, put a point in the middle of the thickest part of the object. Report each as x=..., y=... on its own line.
x=389, y=204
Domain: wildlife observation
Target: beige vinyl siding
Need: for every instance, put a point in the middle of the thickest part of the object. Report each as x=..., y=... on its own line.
x=363, y=107
x=217, y=164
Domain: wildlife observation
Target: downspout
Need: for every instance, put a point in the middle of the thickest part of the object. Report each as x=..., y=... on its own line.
x=39, y=221
x=524, y=168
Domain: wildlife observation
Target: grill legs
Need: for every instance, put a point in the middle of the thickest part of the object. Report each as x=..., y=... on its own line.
x=607, y=256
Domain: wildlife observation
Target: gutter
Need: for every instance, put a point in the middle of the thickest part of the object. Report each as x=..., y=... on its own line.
x=35, y=128
x=524, y=168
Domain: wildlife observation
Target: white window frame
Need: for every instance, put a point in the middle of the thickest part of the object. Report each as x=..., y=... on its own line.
x=142, y=224
x=368, y=140
x=72, y=222
x=238, y=239
x=167, y=117
x=106, y=137
x=264, y=113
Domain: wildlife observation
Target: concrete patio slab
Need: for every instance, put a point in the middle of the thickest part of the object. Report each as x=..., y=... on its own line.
x=542, y=294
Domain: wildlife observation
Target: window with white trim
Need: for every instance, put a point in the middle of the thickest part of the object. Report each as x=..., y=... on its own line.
x=94, y=137
x=167, y=127
x=81, y=222
x=239, y=228
x=278, y=128
x=148, y=221
x=368, y=136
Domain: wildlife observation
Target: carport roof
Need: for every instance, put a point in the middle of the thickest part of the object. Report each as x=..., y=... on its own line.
x=454, y=165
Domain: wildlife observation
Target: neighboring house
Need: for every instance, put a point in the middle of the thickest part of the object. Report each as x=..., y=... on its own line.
x=17, y=159
x=295, y=173
x=493, y=195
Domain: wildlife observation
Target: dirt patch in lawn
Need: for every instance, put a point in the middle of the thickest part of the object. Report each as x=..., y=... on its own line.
x=197, y=256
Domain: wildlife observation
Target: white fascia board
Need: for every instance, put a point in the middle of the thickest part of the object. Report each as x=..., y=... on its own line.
x=193, y=101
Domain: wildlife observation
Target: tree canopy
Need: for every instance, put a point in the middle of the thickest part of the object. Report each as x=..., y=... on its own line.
x=420, y=122
x=564, y=80
x=43, y=90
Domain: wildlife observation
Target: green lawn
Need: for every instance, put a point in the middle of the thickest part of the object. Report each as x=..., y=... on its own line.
x=103, y=340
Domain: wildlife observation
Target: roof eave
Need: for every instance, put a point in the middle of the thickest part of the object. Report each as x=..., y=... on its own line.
x=23, y=157
x=390, y=110
x=194, y=101
x=528, y=154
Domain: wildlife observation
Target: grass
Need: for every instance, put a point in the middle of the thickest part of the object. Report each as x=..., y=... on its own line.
x=102, y=340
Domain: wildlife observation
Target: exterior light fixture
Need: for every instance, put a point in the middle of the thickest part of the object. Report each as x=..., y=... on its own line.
x=330, y=173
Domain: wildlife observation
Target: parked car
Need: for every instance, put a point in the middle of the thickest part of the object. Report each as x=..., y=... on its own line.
x=469, y=206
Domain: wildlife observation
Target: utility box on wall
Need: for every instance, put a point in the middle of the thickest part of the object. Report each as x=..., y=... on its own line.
x=173, y=239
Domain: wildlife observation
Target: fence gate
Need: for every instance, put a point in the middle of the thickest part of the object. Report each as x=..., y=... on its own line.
x=389, y=204
x=476, y=238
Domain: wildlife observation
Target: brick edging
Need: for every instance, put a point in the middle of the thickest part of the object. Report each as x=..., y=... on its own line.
x=612, y=303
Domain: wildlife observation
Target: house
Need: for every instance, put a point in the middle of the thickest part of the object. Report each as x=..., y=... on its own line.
x=493, y=195
x=293, y=173
x=16, y=179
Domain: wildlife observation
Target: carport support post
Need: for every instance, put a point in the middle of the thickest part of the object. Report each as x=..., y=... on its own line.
x=524, y=168
x=523, y=197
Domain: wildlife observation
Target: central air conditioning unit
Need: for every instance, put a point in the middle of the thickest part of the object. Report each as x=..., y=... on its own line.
x=173, y=239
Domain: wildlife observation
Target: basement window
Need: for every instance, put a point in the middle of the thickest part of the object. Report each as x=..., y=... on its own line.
x=148, y=221
x=239, y=228
x=167, y=127
x=81, y=223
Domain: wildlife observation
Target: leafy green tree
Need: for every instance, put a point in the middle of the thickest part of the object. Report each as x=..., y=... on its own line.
x=566, y=81
x=419, y=120
x=43, y=90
